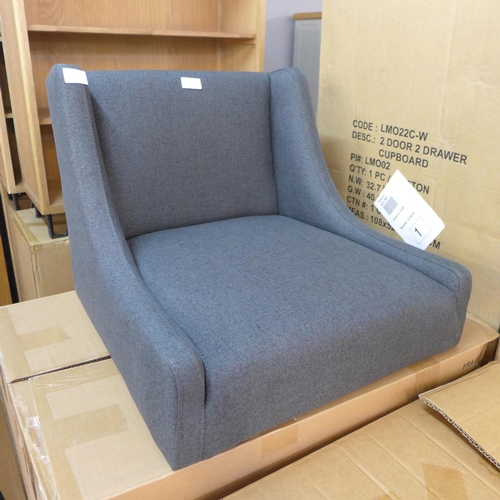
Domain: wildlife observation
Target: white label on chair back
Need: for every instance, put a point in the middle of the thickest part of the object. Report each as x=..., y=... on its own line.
x=72, y=75
x=190, y=83
x=408, y=213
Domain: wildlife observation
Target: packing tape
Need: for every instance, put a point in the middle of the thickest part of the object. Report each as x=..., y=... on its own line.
x=71, y=432
x=45, y=335
x=427, y=376
x=48, y=438
x=23, y=351
x=280, y=439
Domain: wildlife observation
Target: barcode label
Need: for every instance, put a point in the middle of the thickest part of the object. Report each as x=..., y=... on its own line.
x=390, y=205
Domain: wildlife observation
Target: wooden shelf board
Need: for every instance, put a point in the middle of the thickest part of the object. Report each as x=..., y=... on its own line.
x=139, y=32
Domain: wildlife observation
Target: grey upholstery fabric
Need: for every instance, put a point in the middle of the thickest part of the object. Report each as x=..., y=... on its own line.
x=279, y=309
x=161, y=165
x=231, y=285
x=309, y=195
x=160, y=365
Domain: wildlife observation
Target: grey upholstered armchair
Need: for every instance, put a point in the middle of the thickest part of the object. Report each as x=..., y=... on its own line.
x=230, y=283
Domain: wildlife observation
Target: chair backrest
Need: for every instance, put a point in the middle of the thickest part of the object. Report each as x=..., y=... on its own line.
x=179, y=156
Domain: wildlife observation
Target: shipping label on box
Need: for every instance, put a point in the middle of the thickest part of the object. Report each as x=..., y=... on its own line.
x=415, y=86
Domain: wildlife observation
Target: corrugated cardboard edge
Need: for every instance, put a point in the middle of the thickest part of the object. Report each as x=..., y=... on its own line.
x=472, y=441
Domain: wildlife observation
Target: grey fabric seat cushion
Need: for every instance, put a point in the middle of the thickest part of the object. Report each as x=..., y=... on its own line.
x=275, y=307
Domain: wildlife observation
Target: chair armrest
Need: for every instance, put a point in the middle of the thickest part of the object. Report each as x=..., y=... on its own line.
x=306, y=191
x=158, y=362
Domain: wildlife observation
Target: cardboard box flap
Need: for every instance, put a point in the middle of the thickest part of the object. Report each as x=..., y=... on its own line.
x=472, y=405
x=46, y=335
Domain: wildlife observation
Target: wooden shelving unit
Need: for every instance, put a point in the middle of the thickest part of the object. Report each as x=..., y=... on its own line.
x=10, y=171
x=212, y=35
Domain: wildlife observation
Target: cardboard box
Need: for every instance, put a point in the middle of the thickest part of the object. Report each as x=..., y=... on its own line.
x=411, y=453
x=11, y=486
x=414, y=86
x=42, y=265
x=472, y=405
x=38, y=337
x=79, y=433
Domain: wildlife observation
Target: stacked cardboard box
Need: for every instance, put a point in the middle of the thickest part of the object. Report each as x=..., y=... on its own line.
x=414, y=86
x=411, y=453
x=42, y=265
x=78, y=433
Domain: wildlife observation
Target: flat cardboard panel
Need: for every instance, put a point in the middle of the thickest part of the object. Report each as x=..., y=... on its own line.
x=414, y=86
x=472, y=405
x=83, y=437
x=411, y=453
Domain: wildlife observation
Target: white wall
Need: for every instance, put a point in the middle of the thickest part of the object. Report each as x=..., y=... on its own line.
x=279, y=30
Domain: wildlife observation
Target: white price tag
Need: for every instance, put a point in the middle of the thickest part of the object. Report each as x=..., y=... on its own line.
x=190, y=83
x=408, y=213
x=72, y=75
